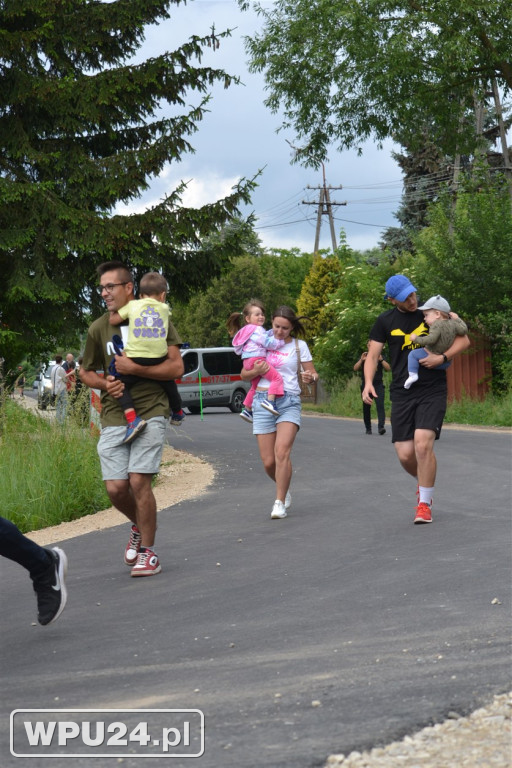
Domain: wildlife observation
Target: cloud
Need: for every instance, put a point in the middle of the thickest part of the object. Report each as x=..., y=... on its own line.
x=207, y=189
x=238, y=137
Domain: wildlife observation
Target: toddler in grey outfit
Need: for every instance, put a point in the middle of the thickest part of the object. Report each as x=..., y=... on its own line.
x=443, y=330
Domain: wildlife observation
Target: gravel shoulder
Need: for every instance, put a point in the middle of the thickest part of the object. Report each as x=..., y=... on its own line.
x=482, y=740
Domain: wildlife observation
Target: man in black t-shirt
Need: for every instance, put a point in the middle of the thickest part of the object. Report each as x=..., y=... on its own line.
x=416, y=414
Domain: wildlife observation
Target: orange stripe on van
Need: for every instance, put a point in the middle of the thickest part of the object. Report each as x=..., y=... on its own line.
x=228, y=379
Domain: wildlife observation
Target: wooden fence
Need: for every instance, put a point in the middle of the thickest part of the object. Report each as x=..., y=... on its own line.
x=470, y=373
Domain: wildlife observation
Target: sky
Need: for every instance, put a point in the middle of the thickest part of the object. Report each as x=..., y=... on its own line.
x=239, y=137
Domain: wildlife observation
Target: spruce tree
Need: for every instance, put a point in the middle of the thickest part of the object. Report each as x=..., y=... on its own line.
x=83, y=128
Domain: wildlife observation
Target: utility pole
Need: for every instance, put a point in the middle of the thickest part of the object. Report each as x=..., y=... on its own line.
x=324, y=208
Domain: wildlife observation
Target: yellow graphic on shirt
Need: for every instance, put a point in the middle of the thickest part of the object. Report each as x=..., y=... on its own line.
x=421, y=330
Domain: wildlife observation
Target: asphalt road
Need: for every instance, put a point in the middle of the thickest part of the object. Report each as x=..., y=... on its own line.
x=342, y=627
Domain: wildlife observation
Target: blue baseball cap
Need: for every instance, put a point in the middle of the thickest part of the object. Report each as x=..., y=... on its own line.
x=399, y=287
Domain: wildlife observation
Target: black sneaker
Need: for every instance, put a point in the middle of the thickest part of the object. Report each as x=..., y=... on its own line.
x=50, y=587
x=382, y=431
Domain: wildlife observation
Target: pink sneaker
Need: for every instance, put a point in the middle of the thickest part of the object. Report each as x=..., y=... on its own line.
x=423, y=513
x=133, y=546
x=147, y=564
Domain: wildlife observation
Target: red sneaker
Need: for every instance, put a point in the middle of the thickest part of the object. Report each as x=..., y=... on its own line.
x=423, y=513
x=147, y=564
x=133, y=546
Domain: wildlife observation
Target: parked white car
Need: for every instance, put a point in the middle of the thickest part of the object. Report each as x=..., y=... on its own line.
x=44, y=388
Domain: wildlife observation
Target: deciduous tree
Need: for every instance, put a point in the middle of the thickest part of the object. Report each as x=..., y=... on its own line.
x=203, y=322
x=349, y=70
x=464, y=254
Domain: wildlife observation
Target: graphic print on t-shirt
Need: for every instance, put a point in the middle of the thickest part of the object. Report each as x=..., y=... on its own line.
x=421, y=330
x=149, y=324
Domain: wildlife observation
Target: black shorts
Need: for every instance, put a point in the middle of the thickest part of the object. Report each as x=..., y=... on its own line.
x=424, y=409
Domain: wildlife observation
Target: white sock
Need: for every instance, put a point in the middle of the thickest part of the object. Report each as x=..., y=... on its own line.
x=426, y=495
x=412, y=378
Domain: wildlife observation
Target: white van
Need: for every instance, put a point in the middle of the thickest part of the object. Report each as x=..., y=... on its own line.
x=212, y=375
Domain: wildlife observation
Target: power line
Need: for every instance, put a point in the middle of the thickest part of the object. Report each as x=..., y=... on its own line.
x=423, y=188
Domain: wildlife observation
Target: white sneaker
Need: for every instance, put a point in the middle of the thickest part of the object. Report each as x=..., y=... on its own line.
x=287, y=500
x=278, y=510
x=269, y=405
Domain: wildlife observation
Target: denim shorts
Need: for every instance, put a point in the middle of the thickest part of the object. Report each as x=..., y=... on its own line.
x=143, y=455
x=264, y=422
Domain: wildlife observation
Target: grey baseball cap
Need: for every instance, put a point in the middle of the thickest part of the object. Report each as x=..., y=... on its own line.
x=436, y=302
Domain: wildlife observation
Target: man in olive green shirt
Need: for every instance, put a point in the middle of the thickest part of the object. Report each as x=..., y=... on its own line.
x=127, y=469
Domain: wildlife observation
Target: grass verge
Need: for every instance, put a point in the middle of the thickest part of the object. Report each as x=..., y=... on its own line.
x=345, y=400
x=48, y=474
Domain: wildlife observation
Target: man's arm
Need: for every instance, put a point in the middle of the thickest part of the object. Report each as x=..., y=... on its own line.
x=460, y=344
x=92, y=379
x=171, y=368
x=370, y=367
x=110, y=384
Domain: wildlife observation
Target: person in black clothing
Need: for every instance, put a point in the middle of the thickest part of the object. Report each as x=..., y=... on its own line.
x=416, y=414
x=378, y=385
x=47, y=569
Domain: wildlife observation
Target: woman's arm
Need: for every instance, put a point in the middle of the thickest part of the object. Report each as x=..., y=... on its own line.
x=309, y=374
x=259, y=369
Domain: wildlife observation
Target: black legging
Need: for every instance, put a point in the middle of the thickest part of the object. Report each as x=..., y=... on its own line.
x=15, y=546
x=381, y=412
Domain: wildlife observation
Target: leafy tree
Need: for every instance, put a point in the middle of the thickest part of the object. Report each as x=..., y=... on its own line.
x=349, y=70
x=293, y=266
x=82, y=129
x=275, y=277
x=354, y=307
x=465, y=252
x=203, y=322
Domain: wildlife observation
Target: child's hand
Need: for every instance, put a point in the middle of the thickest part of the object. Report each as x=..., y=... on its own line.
x=413, y=336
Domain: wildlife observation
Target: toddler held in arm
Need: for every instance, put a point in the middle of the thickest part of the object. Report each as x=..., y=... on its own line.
x=147, y=345
x=252, y=342
x=444, y=326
